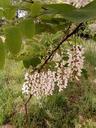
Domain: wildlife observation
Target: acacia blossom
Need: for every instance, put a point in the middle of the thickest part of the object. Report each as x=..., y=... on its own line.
x=43, y=83
x=62, y=77
x=39, y=84
x=76, y=61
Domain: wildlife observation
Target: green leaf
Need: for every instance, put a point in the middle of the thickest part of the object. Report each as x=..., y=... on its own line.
x=43, y=27
x=13, y=39
x=27, y=28
x=35, y=9
x=5, y=3
x=54, y=20
x=73, y=14
x=2, y=55
x=10, y=12
x=59, y=8
x=32, y=62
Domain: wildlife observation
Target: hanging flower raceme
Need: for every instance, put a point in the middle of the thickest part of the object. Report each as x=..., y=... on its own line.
x=39, y=84
x=43, y=83
x=62, y=76
x=76, y=61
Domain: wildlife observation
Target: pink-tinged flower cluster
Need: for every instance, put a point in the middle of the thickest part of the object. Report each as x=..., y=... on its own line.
x=62, y=76
x=39, y=84
x=76, y=61
x=43, y=83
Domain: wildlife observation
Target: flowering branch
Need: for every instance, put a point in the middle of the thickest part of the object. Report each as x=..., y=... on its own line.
x=58, y=46
x=45, y=62
x=52, y=53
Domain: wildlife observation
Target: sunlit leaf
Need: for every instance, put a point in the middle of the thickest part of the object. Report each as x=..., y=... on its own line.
x=10, y=12
x=35, y=9
x=5, y=3
x=13, y=39
x=27, y=28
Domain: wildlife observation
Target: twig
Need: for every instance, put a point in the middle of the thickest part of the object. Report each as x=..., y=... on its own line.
x=28, y=99
x=26, y=116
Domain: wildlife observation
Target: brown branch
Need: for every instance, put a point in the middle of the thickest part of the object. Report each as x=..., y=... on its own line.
x=26, y=116
x=26, y=112
x=28, y=99
x=61, y=42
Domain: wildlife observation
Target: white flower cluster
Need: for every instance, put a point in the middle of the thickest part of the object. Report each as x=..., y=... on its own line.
x=39, y=84
x=78, y=3
x=63, y=75
x=43, y=83
x=76, y=61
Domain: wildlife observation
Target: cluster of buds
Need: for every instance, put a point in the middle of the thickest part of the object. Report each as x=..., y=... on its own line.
x=43, y=83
